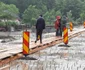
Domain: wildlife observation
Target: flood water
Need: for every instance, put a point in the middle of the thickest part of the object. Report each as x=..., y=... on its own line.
x=54, y=58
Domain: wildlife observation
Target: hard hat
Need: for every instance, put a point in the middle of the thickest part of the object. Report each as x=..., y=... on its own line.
x=58, y=17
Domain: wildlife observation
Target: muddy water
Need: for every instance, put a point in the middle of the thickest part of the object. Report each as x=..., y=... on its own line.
x=55, y=58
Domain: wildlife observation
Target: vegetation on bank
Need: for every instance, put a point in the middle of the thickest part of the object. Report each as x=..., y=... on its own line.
x=29, y=10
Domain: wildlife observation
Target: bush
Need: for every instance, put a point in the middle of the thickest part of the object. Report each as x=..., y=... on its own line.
x=2, y=24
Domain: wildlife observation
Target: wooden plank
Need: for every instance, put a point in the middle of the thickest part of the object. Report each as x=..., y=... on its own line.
x=10, y=52
x=9, y=59
x=45, y=41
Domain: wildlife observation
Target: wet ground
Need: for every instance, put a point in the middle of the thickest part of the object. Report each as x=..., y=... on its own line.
x=57, y=57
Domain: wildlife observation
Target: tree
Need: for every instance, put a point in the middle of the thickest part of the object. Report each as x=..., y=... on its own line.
x=46, y=7
x=82, y=14
x=69, y=15
x=61, y=6
x=51, y=4
x=74, y=6
x=30, y=15
x=50, y=16
x=8, y=11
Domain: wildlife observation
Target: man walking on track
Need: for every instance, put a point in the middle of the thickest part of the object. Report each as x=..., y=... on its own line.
x=58, y=26
x=40, y=25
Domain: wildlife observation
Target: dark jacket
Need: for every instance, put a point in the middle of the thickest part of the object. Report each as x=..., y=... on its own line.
x=64, y=21
x=40, y=25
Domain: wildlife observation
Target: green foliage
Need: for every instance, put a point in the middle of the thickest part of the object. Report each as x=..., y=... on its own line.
x=69, y=15
x=8, y=11
x=82, y=15
x=50, y=16
x=2, y=24
x=8, y=23
x=73, y=9
x=30, y=15
x=11, y=23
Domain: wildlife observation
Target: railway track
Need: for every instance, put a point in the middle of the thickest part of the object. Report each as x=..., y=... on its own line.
x=48, y=43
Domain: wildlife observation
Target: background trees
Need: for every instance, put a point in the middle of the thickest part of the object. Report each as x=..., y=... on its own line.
x=30, y=10
x=30, y=15
x=8, y=11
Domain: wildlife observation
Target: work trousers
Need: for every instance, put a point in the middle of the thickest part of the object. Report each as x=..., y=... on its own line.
x=59, y=32
x=39, y=33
